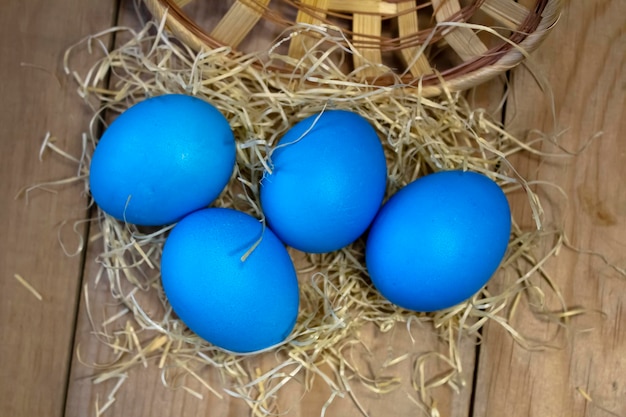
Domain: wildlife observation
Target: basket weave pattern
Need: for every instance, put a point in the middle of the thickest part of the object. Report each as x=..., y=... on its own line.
x=430, y=42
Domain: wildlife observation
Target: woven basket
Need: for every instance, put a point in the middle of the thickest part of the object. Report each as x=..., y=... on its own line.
x=427, y=43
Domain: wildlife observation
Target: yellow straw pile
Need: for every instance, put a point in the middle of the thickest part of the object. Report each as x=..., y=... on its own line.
x=348, y=338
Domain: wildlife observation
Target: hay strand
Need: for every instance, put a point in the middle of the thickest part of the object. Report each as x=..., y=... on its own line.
x=28, y=286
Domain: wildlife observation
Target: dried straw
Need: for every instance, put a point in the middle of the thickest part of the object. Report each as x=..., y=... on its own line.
x=28, y=286
x=338, y=303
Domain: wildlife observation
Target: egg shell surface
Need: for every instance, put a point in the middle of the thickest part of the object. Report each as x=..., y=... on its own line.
x=240, y=306
x=327, y=182
x=161, y=159
x=438, y=240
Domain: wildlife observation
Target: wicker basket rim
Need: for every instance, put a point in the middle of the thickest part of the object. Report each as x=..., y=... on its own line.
x=468, y=74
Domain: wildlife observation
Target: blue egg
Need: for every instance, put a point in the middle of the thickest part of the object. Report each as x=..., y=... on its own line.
x=438, y=240
x=327, y=182
x=161, y=159
x=239, y=305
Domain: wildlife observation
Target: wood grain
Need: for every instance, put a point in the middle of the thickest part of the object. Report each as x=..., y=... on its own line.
x=583, y=63
x=36, y=336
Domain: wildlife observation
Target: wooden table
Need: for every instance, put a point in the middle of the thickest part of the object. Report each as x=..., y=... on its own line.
x=40, y=374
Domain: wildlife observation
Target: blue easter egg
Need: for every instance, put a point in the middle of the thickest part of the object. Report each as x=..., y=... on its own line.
x=239, y=305
x=327, y=182
x=161, y=159
x=438, y=240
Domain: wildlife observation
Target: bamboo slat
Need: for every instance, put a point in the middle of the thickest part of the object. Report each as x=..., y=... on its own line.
x=461, y=39
x=363, y=6
x=368, y=27
x=312, y=13
x=239, y=21
x=182, y=3
x=507, y=12
x=407, y=26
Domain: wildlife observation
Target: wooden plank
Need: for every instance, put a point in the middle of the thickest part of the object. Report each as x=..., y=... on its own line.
x=587, y=79
x=36, y=335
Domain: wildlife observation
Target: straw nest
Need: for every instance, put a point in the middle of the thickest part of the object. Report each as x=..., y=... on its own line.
x=344, y=325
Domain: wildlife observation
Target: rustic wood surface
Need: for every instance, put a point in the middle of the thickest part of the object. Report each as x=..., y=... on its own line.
x=36, y=336
x=40, y=373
